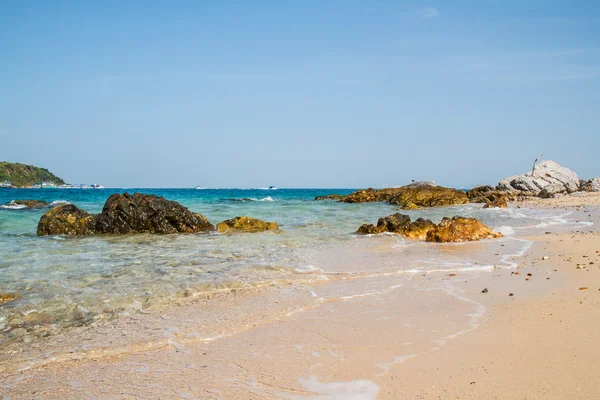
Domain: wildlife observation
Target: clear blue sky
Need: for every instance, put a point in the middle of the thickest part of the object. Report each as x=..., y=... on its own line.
x=328, y=93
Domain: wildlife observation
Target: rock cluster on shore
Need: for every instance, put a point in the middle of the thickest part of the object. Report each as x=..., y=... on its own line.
x=413, y=196
x=456, y=229
x=546, y=179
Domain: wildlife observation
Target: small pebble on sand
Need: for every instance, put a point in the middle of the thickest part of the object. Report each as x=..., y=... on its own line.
x=484, y=290
x=583, y=288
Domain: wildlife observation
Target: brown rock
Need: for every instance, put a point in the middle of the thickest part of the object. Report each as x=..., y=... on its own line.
x=246, y=224
x=500, y=202
x=460, y=229
x=370, y=195
x=67, y=220
x=5, y=297
x=479, y=191
x=337, y=197
x=428, y=196
x=399, y=223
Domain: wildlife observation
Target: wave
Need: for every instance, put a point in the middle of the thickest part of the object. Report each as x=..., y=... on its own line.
x=59, y=202
x=13, y=206
x=247, y=199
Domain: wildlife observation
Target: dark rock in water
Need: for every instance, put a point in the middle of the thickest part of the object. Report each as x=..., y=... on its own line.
x=428, y=196
x=67, y=220
x=122, y=214
x=246, y=224
x=31, y=203
x=142, y=213
x=399, y=223
x=460, y=229
x=330, y=197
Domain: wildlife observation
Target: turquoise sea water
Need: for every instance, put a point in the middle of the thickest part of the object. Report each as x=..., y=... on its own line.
x=67, y=281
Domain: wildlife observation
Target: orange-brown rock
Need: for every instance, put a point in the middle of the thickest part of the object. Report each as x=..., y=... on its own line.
x=460, y=229
x=5, y=297
x=428, y=196
x=500, y=202
x=337, y=197
x=246, y=224
x=67, y=220
x=370, y=195
x=401, y=224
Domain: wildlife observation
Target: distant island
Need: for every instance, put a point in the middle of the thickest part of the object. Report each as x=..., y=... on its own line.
x=21, y=175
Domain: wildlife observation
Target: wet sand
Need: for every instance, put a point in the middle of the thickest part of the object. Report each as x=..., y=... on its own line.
x=440, y=338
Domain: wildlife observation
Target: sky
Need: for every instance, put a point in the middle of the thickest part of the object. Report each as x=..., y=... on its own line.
x=327, y=93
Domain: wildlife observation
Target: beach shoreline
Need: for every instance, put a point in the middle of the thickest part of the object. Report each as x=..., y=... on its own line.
x=308, y=352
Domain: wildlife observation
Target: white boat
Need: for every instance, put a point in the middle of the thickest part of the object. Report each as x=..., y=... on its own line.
x=37, y=185
x=199, y=187
x=83, y=186
x=66, y=186
x=272, y=188
x=97, y=186
x=5, y=184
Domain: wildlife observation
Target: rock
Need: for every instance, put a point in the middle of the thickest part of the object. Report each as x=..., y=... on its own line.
x=479, y=192
x=546, y=173
x=370, y=195
x=580, y=266
x=246, y=224
x=552, y=190
x=460, y=229
x=500, y=202
x=583, y=288
x=428, y=196
x=337, y=197
x=593, y=185
x=485, y=290
x=399, y=223
x=67, y=220
x=421, y=184
x=411, y=206
x=5, y=297
x=143, y=213
x=124, y=214
x=31, y=203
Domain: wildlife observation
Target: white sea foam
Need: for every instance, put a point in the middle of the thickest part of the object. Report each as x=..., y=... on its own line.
x=59, y=202
x=352, y=390
x=13, y=206
x=506, y=230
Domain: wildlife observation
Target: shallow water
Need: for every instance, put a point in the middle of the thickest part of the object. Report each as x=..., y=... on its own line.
x=66, y=282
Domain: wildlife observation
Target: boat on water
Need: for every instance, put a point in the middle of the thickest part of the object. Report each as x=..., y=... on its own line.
x=199, y=187
x=97, y=186
x=66, y=186
x=43, y=185
x=272, y=188
x=6, y=184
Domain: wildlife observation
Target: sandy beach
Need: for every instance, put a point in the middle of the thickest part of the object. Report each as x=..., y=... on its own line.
x=399, y=342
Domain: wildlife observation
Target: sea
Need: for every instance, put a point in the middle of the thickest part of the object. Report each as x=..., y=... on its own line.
x=70, y=283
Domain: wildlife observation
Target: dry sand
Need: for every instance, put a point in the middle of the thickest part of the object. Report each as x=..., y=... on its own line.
x=539, y=343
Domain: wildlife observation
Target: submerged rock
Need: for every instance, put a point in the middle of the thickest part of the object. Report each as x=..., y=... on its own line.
x=399, y=223
x=593, y=185
x=6, y=297
x=545, y=174
x=246, y=224
x=428, y=196
x=31, y=203
x=460, y=229
x=123, y=214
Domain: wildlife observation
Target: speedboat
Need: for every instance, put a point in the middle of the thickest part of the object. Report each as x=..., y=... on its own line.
x=272, y=188
x=97, y=186
x=66, y=186
x=198, y=187
x=5, y=184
